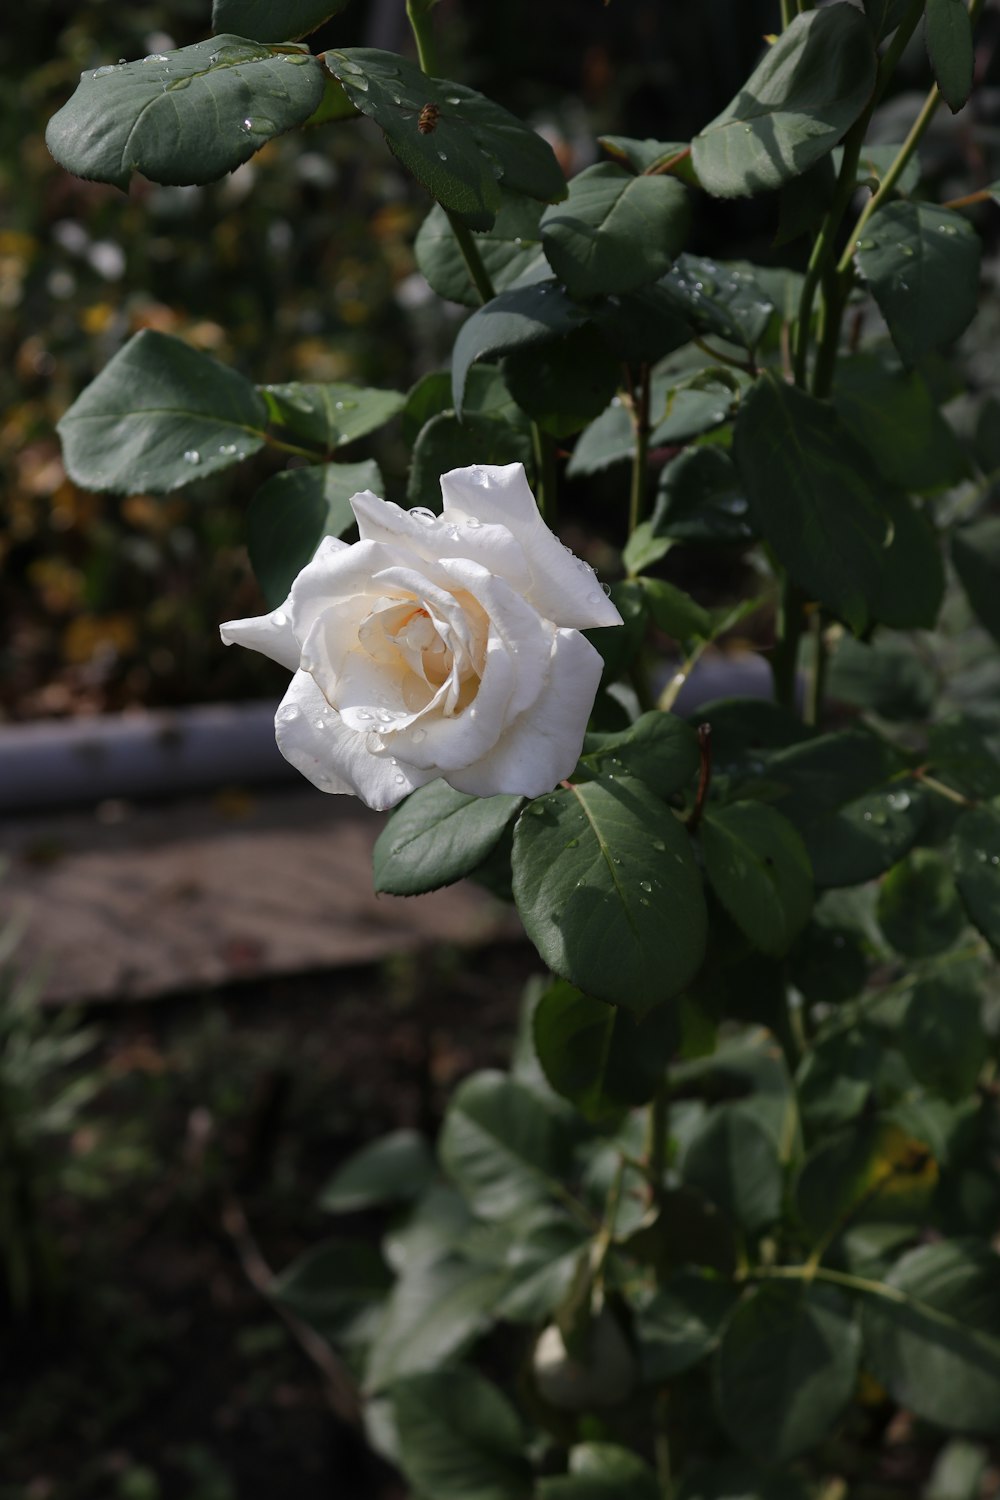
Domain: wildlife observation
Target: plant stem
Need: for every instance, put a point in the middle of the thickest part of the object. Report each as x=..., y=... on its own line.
x=787, y=11
x=785, y=655
x=661, y=1444
x=704, y=775
x=418, y=15
x=933, y=785
x=656, y=1151
x=545, y=473
x=640, y=426
x=823, y=1273
x=817, y=677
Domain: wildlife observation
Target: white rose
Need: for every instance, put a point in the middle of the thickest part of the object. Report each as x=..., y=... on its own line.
x=437, y=646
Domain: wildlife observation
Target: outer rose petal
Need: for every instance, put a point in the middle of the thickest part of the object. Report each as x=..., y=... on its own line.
x=562, y=587
x=433, y=538
x=271, y=634
x=542, y=746
x=313, y=739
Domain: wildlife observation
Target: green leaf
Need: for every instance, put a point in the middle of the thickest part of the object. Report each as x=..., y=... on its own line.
x=645, y=156
x=543, y=1262
x=719, y=297
x=293, y=511
x=855, y=1167
x=922, y=265
x=942, y=1036
x=918, y=906
x=934, y=1342
x=786, y=1369
x=184, y=117
x=893, y=415
x=811, y=85
x=434, y=1312
x=911, y=589
x=644, y=326
x=960, y=755
x=700, y=498
x=159, y=415
x=438, y=836
x=758, y=867
x=838, y=1078
x=676, y=613
x=394, y=1169
x=597, y=1056
x=615, y=232
x=332, y=1285
x=451, y=442
x=602, y=1471
x=512, y=246
x=885, y=15
x=733, y=1160
x=865, y=836
x=888, y=677
x=608, y=891
x=518, y=319
x=826, y=772
x=658, y=748
x=693, y=406
x=609, y=440
x=459, y=1439
x=977, y=868
x=810, y=495
x=829, y=964
x=267, y=22
x=502, y=1146
x=948, y=34
x=461, y=154
x=975, y=551
x=681, y=1323
x=328, y=416
x=564, y=384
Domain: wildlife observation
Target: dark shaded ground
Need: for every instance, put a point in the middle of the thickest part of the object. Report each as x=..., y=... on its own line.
x=159, y=1371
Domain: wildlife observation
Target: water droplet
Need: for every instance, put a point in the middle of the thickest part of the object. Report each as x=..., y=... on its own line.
x=643, y=901
x=384, y=716
x=659, y=846
x=298, y=58
x=615, y=858
x=396, y=99
x=473, y=525
x=155, y=57
x=995, y=859
x=424, y=516
x=442, y=156
x=100, y=72
x=192, y=456
x=418, y=734
x=279, y=617
x=287, y=713
x=644, y=885
x=227, y=449
x=319, y=723
x=453, y=99
x=400, y=779
x=868, y=817
x=363, y=715
x=259, y=125
x=898, y=801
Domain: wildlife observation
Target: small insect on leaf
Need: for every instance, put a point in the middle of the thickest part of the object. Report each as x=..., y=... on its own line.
x=429, y=116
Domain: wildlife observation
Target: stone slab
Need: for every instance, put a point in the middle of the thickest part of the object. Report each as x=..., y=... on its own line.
x=127, y=902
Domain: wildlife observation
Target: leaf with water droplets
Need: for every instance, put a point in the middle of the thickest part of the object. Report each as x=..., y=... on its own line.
x=328, y=416
x=159, y=415
x=293, y=511
x=512, y=248
x=187, y=116
x=759, y=869
x=457, y=143
x=615, y=232
x=977, y=868
x=582, y=859
x=922, y=265
x=438, y=836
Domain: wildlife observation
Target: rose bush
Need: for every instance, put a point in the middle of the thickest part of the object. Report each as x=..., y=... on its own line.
x=437, y=646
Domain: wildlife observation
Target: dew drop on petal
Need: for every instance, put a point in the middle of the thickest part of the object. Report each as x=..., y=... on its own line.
x=279, y=617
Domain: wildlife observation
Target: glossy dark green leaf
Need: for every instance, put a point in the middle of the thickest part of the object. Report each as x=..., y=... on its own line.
x=681, y=1323
x=451, y=442
x=865, y=836
x=602, y=1471
x=332, y=1284
x=510, y=248
x=895, y=418
x=811, y=85
x=975, y=551
x=598, y=1056
x=457, y=143
x=829, y=964
x=948, y=33
x=609, y=440
x=885, y=15
x=922, y=265
x=159, y=415
x=644, y=326
x=293, y=511
x=870, y=1162
x=501, y=1145
x=694, y=405
x=934, y=1340
x=607, y=888
x=565, y=383
x=676, y=613
x=804, y=200
x=700, y=499
x=960, y=755
x=437, y=1307
x=187, y=116
x=811, y=495
x=977, y=868
x=942, y=1036
x=645, y=155
x=267, y=22
x=615, y=232
x=459, y=1438
x=838, y=1078
x=918, y=906
x=393, y=1169
x=827, y=771
x=517, y=319
x=744, y=730
x=719, y=297
x=733, y=1160
x=786, y=1368
x=758, y=867
x=911, y=589
x=658, y=748
x=888, y=677
x=328, y=416
x=438, y=836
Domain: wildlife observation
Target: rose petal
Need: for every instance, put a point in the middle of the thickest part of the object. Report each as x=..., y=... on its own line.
x=562, y=587
x=312, y=737
x=450, y=536
x=541, y=747
x=270, y=634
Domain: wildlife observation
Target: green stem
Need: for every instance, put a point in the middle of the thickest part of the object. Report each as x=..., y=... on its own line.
x=787, y=12
x=279, y=444
x=656, y=1151
x=545, y=473
x=785, y=656
x=810, y=1272
x=817, y=676
x=661, y=1444
x=640, y=458
x=473, y=260
x=418, y=15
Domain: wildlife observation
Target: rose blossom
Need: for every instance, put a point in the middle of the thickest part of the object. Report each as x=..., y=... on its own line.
x=437, y=646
